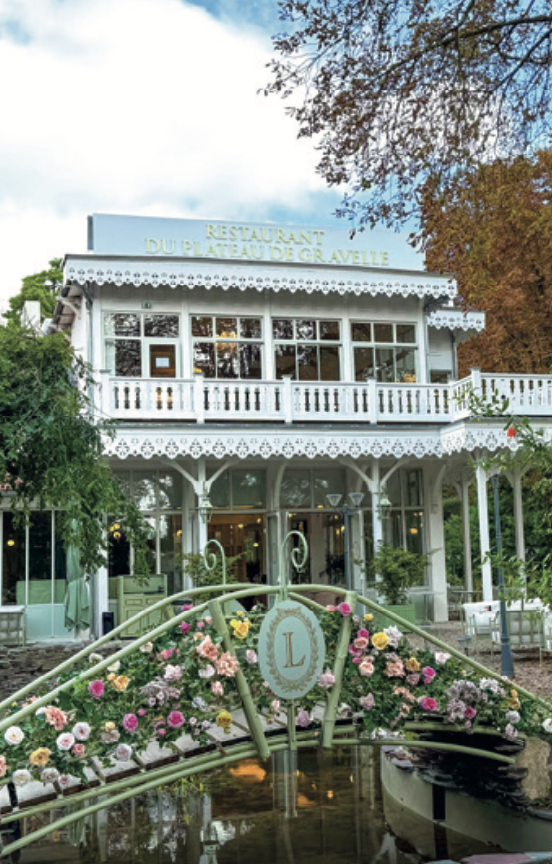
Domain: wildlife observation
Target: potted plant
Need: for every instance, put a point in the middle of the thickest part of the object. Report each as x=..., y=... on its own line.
x=393, y=571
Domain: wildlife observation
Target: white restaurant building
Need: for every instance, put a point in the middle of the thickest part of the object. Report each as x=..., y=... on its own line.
x=255, y=369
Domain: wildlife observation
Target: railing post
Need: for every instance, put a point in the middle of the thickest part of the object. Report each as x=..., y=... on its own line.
x=287, y=405
x=476, y=379
x=372, y=399
x=103, y=402
x=199, y=399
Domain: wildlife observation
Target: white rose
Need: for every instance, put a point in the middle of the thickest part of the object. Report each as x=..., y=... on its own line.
x=441, y=657
x=146, y=648
x=14, y=735
x=114, y=666
x=21, y=777
x=547, y=725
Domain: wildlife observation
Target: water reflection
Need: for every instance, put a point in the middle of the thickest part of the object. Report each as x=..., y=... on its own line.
x=292, y=809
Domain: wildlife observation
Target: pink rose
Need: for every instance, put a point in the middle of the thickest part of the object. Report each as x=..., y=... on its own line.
x=366, y=668
x=65, y=741
x=470, y=713
x=251, y=656
x=363, y=633
x=3, y=766
x=428, y=704
x=413, y=678
x=227, y=665
x=361, y=643
x=200, y=625
x=166, y=654
x=175, y=719
x=303, y=719
x=217, y=688
x=394, y=668
x=429, y=674
x=326, y=680
x=79, y=750
x=142, y=712
x=368, y=701
x=185, y=626
x=173, y=673
x=330, y=608
x=187, y=606
x=130, y=722
x=208, y=649
x=345, y=609
x=96, y=689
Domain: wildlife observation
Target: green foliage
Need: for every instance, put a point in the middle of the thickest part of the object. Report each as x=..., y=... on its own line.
x=397, y=570
x=51, y=448
x=34, y=287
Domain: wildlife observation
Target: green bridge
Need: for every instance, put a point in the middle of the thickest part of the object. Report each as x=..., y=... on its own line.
x=190, y=695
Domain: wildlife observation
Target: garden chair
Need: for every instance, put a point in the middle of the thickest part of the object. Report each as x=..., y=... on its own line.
x=525, y=629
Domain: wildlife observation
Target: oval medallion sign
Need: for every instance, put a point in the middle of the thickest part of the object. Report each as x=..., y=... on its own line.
x=291, y=649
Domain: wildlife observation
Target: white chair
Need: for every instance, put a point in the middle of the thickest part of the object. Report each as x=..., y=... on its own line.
x=477, y=620
x=525, y=627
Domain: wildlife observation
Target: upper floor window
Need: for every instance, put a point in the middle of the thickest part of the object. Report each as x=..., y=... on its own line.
x=386, y=352
x=227, y=347
x=141, y=344
x=307, y=349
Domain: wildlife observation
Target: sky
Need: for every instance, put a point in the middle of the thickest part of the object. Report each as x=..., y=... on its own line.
x=141, y=107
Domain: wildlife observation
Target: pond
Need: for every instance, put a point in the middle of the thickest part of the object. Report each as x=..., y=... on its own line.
x=295, y=808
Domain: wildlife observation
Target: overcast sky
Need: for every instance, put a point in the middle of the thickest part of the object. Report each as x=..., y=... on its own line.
x=144, y=107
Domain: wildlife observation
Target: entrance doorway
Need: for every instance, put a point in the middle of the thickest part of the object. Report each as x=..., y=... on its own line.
x=325, y=535
x=242, y=536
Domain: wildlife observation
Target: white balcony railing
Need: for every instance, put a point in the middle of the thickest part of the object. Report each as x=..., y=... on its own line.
x=288, y=401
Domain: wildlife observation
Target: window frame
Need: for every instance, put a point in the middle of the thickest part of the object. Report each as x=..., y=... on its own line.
x=145, y=343
x=392, y=346
x=239, y=340
x=316, y=343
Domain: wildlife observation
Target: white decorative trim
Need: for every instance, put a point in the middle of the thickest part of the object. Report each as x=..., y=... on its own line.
x=455, y=319
x=355, y=443
x=191, y=274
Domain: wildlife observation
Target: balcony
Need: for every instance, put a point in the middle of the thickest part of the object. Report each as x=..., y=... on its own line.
x=203, y=400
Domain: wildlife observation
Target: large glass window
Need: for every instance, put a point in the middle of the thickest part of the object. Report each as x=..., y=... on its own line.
x=227, y=346
x=307, y=349
x=139, y=345
x=33, y=564
x=404, y=526
x=307, y=488
x=239, y=489
x=386, y=352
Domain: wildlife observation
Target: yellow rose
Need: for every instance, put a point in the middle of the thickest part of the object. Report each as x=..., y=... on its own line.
x=40, y=756
x=380, y=641
x=368, y=617
x=241, y=628
x=412, y=665
x=109, y=726
x=224, y=720
x=121, y=682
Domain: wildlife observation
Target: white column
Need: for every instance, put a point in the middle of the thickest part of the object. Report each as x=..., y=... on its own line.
x=100, y=598
x=518, y=514
x=485, y=545
x=202, y=533
x=467, y=538
x=435, y=542
x=377, y=524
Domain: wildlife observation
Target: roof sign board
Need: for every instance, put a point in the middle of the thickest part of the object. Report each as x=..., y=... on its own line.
x=241, y=241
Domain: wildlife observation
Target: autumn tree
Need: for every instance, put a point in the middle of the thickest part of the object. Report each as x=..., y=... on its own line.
x=493, y=232
x=396, y=93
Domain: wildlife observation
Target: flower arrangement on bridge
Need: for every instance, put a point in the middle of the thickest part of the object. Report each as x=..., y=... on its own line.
x=183, y=685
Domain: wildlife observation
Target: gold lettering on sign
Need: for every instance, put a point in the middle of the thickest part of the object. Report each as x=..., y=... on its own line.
x=155, y=249
x=289, y=653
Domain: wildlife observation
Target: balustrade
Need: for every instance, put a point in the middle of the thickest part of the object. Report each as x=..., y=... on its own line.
x=288, y=401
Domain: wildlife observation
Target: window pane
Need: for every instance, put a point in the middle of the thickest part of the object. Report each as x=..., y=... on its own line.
x=327, y=483
x=248, y=488
x=406, y=333
x=170, y=491
x=282, y=328
x=162, y=361
x=204, y=359
x=383, y=332
x=251, y=361
x=307, y=362
x=405, y=364
x=151, y=553
x=415, y=534
x=364, y=363
x=161, y=325
x=413, y=488
x=440, y=376
x=329, y=363
x=393, y=489
x=361, y=332
x=123, y=356
x=227, y=360
x=227, y=327
x=305, y=329
x=144, y=490
x=170, y=545
x=392, y=529
x=118, y=556
x=120, y=324
x=250, y=328
x=202, y=326
x=329, y=330
x=219, y=495
x=384, y=364
x=13, y=563
x=40, y=558
x=285, y=361
x=295, y=489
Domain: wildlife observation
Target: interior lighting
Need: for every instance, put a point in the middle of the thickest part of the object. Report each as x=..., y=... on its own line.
x=329, y=793
x=11, y=542
x=413, y=530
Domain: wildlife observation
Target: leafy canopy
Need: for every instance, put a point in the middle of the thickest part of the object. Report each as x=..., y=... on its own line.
x=51, y=450
x=41, y=286
x=493, y=232
x=396, y=94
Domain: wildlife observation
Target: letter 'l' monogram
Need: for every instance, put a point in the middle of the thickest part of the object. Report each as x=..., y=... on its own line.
x=289, y=653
